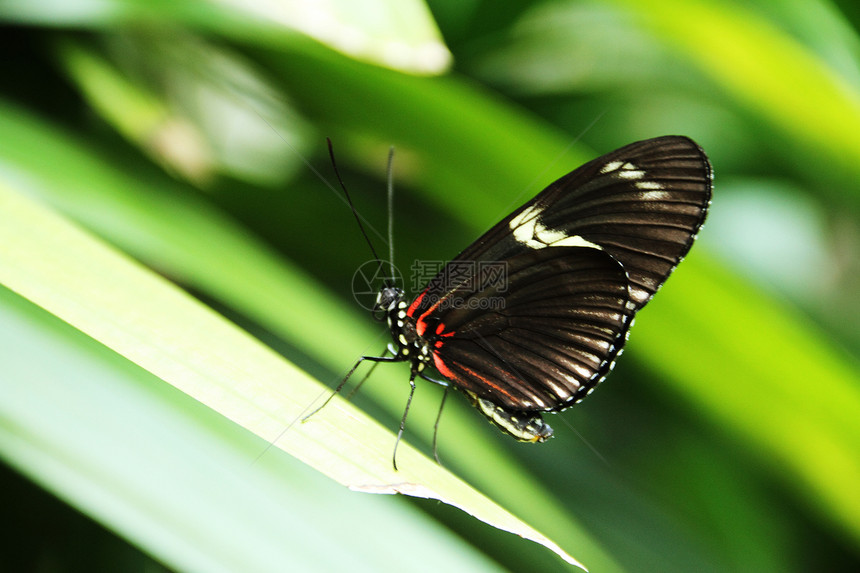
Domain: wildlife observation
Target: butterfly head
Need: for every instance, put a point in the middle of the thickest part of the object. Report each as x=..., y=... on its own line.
x=387, y=298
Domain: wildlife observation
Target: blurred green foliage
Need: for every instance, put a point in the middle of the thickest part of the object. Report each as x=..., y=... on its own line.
x=190, y=135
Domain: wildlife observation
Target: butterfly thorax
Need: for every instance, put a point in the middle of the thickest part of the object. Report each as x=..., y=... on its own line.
x=408, y=344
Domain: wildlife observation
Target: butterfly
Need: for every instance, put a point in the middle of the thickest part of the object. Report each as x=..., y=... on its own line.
x=531, y=317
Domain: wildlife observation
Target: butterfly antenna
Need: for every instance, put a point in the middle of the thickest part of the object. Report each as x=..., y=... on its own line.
x=349, y=200
x=391, y=211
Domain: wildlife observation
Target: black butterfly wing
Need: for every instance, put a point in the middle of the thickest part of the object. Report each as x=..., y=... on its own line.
x=643, y=204
x=539, y=339
x=614, y=228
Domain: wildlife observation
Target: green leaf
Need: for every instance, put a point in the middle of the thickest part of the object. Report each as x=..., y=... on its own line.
x=767, y=71
x=398, y=34
x=811, y=437
x=723, y=452
x=175, y=231
x=166, y=332
x=177, y=478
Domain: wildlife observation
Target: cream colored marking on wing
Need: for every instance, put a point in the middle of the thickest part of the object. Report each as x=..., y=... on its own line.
x=536, y=236
x=630, y=172
x=528, y=212
x=611, y=166
x=656, y=196
x=653, y=185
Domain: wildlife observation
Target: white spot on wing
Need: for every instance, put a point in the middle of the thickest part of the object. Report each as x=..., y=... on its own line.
x=611, y=166
x=656, y=196
x=525, y=234
x=530, y=212
x=655, y=185
x=531, y=233
x=623, y=170
x=631, y=173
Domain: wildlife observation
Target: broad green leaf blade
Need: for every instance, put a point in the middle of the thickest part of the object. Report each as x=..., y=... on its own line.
x=698, y=479
x=766, y=70
x=793, y=397
x=217, y=119
x=175, y=232
x=178, y=479
x=394, y=33
x=474, y=148
x=501, y=149
x=398, y=34
x=168, y=333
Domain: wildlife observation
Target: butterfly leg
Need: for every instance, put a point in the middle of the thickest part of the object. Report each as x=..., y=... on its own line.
x=444, y=383
x=439, y=417
x=447, y=386
x=364, y=378
x=350, y=373
x=403, y=419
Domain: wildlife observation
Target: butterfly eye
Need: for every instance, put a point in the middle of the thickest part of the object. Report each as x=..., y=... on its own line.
x=387, y=298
